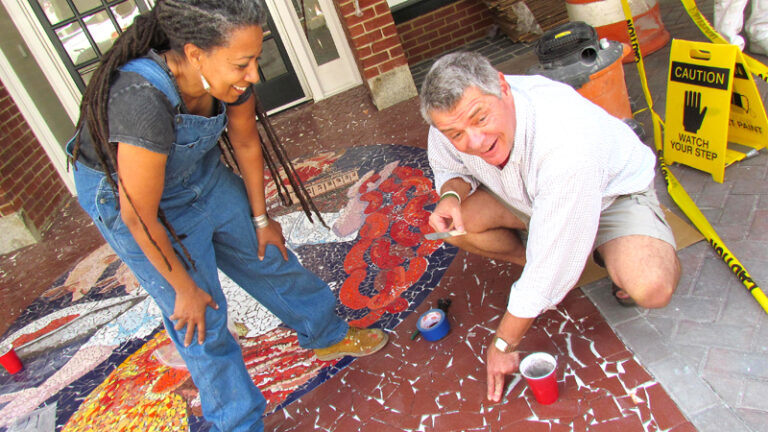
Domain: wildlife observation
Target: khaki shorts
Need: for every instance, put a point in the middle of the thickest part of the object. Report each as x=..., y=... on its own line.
x=635, y=214
x=638, y=213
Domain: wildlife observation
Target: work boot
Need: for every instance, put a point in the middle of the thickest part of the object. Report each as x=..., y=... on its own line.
x=357, y=343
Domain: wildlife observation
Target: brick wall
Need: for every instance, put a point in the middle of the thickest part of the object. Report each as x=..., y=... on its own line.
x=443, y=29
x=373, y=36
x=28, y=179
x=377, y=50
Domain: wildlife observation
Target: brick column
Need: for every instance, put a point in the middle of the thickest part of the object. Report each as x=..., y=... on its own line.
x=378, y=52
x=31, y=191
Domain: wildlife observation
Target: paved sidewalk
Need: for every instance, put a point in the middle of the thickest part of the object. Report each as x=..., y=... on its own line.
x=708, y=347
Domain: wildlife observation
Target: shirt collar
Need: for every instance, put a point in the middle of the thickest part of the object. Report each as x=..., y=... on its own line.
x=521, y=118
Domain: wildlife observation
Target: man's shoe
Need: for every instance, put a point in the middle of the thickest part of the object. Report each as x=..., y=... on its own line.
x=357, y=343
x=622, y=297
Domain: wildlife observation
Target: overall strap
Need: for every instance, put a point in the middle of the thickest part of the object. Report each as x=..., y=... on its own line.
x=156, y=75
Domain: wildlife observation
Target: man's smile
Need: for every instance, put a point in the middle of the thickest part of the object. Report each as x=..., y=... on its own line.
x=492, y=147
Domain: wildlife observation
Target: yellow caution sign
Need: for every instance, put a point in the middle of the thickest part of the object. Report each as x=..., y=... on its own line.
x=711, y=100
x=748, y=123
x=675, y=189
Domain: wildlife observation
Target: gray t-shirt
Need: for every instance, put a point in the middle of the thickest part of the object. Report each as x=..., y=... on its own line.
x=139, y=114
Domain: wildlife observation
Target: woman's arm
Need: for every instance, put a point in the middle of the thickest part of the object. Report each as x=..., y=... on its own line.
x=142, y=173
x=243, y=133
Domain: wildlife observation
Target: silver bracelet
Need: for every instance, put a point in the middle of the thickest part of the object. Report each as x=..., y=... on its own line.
x=261, y=221
x=450, y=193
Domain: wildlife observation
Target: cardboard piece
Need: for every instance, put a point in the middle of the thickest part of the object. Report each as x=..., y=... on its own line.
x=712, y=99
x=685, y=235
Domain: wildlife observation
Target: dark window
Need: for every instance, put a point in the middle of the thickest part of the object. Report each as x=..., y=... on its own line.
x=416, y=8
x=83, y=30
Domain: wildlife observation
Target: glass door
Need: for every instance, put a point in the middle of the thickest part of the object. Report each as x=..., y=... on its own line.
x=333, y=62
x=320, y=48
x=278, y=84
x=315, y=27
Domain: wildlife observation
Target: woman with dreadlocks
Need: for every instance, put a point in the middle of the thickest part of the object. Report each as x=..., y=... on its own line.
x=148, y=171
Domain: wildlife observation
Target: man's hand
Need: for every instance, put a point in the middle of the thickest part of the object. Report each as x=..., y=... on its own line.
x=447, y=215
x=189, y=312
x=271, y=234
x=498, y=366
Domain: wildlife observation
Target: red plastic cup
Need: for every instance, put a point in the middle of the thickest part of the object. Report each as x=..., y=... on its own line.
x=539, y=369
x=9, y=359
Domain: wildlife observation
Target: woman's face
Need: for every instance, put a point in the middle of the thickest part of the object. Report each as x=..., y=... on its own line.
x=230, y=69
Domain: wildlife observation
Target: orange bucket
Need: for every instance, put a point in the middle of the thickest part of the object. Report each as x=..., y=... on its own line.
x=594, y=70
x=608, y=89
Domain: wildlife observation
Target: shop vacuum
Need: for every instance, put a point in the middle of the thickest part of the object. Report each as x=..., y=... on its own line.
x=572, y=54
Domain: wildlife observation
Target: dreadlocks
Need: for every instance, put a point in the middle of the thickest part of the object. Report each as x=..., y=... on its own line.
x=171, y=24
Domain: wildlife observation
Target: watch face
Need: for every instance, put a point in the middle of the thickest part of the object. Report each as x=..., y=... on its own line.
x=500, y=344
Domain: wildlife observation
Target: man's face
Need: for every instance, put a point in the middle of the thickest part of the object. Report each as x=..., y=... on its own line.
x=480, y=124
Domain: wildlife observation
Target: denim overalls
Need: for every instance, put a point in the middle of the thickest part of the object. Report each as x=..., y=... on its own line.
x=207, y=203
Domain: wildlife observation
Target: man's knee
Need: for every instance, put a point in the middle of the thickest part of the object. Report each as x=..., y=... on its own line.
x=482, y=211
x=654, y=293
x=474, y=224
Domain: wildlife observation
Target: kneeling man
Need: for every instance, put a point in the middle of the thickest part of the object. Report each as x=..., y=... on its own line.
x=513, y=153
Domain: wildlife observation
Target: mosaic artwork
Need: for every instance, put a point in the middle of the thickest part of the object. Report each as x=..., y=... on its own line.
x=96, y=356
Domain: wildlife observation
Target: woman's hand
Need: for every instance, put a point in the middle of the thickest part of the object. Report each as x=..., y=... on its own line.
x=271, y=234
x=189, y=312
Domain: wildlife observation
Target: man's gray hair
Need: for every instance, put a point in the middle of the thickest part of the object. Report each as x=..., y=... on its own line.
x=453, y=74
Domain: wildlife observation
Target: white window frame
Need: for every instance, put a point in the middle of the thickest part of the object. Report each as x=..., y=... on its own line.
x=56, y=73
x=324, y=80
x=46, y=55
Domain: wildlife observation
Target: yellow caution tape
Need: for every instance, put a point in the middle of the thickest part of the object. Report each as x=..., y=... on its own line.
x=754, y=65
x=675, y=189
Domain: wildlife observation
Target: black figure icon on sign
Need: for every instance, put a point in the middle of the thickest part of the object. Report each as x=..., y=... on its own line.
x=693, y=115
x=741, y=101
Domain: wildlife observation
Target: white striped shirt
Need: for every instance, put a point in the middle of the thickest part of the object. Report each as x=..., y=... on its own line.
x=569, y=161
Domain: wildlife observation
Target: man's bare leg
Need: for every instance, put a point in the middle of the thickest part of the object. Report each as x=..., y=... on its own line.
x=490, y=229
x=645, y=267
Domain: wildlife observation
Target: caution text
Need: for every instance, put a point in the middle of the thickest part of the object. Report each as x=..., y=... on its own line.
x=705, y=76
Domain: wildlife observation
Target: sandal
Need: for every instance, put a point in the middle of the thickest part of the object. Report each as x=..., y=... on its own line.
x=622, y=297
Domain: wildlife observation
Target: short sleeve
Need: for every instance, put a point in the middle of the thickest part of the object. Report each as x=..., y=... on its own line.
x=140, y=114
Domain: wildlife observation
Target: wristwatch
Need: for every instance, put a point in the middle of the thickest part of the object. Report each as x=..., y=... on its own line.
x=502, y=345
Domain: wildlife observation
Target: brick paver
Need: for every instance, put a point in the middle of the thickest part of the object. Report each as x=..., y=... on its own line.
x=708, y=347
